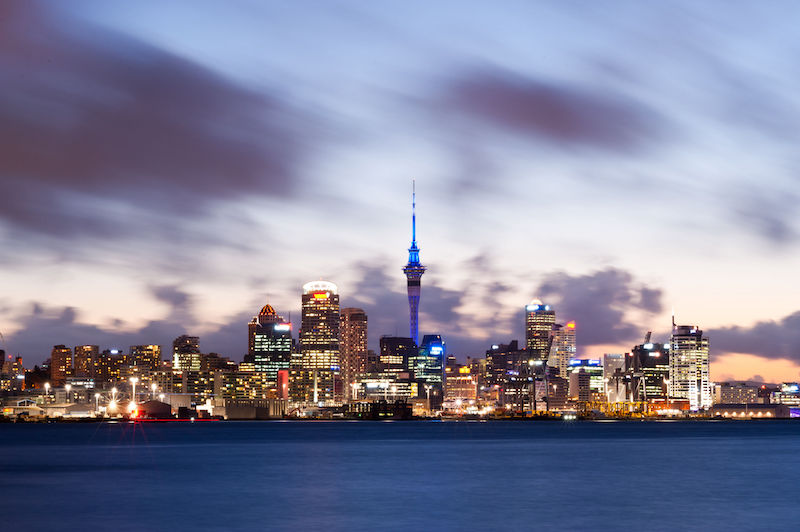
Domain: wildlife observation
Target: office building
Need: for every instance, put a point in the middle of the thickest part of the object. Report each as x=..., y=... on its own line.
x=186, y=353
x=648, y=367
x=353, y=346
x=396, y=355
x=319, y=329
x=614, y=378
x=85, y=360
x=539, y=322
x=60, y=365
x=563, y=347
x=145, y=356
x=689, y=368
x=269, y=343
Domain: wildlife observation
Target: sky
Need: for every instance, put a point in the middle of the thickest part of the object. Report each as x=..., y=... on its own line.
x=168, y=169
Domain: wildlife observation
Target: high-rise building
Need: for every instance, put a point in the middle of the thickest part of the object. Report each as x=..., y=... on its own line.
x=428, y=364
x=539, y=322
x=85, y=360
x=269, y=343
x=414, y=271
x=586, y=381
x=319, y=329
x=614, y=377
x=145, y=356
x=186, y=353
x=396, y=354
x=648, y=367
x=60, y=365
x=688, y=367
x=563, y=347
x=353, y=346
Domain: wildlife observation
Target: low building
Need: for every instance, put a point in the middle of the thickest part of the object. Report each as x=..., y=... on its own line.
x=735, y=393
x=751, y=411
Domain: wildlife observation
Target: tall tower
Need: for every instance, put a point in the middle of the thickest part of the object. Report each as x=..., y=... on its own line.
x=414, y=271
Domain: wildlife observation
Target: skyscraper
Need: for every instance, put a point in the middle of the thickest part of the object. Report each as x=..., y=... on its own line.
x=146, y=356
x=269, y=340
x=688, y=367
x=60, y=365
x=539, y=322
x=319, y=330
x=186, y=353
x=414, y=271
x=85, y=360
x=353, y=346
x=563, y=347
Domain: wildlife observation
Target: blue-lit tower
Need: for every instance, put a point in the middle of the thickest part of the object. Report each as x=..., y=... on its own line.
x=414, y=271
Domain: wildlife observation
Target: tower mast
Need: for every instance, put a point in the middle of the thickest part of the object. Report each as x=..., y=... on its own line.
x=413, y=271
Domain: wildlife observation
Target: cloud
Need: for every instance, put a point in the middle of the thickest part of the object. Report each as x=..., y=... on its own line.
x=546, y=111
x=102, y=135
x=776, y=339
x=599, y=302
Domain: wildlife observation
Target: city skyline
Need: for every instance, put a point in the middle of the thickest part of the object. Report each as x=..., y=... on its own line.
x=553, y=164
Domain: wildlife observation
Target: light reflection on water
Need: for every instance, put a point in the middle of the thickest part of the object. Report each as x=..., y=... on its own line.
x=404, y=475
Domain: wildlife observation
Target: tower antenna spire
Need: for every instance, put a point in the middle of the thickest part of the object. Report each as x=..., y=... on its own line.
x=413, y=211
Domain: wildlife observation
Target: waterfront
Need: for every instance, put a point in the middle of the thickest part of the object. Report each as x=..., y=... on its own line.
x=400, y=475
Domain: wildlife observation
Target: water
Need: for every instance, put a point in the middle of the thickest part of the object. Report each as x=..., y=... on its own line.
x=400, y=476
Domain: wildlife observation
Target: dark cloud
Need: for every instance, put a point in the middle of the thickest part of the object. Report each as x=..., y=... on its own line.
x=771, y=339
x=598, y=302
x=171, y=295
x=43, y=327
x=547, y=111
x=100, y=132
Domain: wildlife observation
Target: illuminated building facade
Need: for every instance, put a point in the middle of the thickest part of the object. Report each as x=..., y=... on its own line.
x=186, y=353
x=269, y=343
x=414, y=270
x=60, y=365
x=396, y=354
x=145, y=356
x=689, y=368
x=353, y=346
x=460, y=384
x=85, y=360
x=586, y=380
x=736, y=393
x=539, y=322
x=427, y=365
x=614, y=378
x=319, y=330
x=648, y=367
x=563, y=347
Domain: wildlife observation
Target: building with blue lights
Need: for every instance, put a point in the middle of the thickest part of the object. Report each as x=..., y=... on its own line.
x=269, y=341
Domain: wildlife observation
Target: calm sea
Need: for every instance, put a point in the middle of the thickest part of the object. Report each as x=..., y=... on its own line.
x=401, y=476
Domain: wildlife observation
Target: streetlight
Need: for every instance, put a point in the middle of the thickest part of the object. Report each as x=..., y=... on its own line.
x=96, y=402
x=153, y=387
x=133, y=380
x=161, y=397
x=68, y=388
x=46, y=390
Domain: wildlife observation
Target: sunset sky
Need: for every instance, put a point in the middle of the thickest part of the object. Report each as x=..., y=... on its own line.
x=168, y=168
